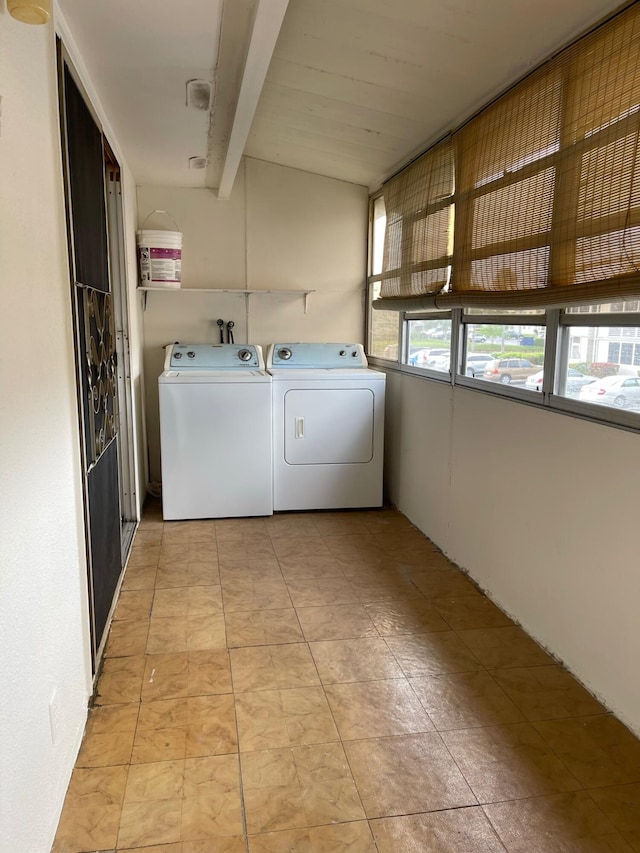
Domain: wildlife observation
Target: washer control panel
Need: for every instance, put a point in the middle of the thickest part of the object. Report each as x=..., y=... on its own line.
x=309, y=356
x=213, y=357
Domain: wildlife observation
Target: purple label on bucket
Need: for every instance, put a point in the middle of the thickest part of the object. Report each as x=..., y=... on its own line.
x=171, y=254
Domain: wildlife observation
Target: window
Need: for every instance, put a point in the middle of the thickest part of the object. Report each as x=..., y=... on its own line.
x=589, y=356
x=429, y=343
x=509, y=351
x=517, y=238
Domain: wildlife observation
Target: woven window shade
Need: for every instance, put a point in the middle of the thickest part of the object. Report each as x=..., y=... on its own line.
x=547, y=200
x=506, y=180
x=418, y=238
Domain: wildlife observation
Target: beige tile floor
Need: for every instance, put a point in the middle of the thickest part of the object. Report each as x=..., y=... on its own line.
x=329, y=682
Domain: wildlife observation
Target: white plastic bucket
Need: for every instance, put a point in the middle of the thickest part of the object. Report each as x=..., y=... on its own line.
x=159, y=257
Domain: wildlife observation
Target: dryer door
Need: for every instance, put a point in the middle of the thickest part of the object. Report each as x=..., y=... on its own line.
x=328, y=426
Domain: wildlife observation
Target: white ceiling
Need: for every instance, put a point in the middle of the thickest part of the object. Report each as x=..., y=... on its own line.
x=353, y=88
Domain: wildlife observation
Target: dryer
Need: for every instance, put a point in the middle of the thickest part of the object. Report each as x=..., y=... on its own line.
x=328, y=426
x=215, y=432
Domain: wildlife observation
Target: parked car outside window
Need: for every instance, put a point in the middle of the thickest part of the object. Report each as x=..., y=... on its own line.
x=508, y=370
x=620, y=391
x=575, y=381
x=476, y=363
x=424, y=357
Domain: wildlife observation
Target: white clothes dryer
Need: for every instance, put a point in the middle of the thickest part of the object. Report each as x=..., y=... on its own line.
x=215, y=432
x=328, y=427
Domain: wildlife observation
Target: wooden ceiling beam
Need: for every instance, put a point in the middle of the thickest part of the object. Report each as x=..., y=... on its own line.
x=264, y=35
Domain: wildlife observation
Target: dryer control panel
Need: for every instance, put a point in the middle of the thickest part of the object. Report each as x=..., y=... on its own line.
x=213, y=357
x=321, y=356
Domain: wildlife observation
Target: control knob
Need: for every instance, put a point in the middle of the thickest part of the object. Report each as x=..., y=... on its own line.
x=284, y=353
x=342, y=352
x=244, y=355
x=177, y=355
x=191, y=354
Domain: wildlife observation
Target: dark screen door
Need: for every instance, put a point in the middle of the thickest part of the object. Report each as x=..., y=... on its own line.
x=95, y=346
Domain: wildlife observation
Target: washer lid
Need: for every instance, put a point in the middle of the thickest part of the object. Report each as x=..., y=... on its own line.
x=213, y=377
x=331, y=375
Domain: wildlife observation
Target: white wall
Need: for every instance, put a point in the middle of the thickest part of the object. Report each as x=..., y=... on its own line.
x=540, y=509
x=44, y=639
x=281, y=229
x=44, y=623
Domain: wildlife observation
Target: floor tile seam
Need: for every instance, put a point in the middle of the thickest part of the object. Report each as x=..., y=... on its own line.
x=395, y=657
x=367, y=681
x=264, y=645
x=327, y=742
x=421, y=704
x=393, y=817
x=302, y=786
x=288, y=580
x=610, y=819
x=526, y=797
x=407, y=675
x=591, y=788
x=546, y=796
x=417, y=813
x=510, y=666
x=497, y=685
x=373, y=625
x=445, y=746
x=458, y=631
x=494, y=829
x=554, y=795
x=245, y=832
x=144, y=545
x=517, y=723
x=579, y=785
x=303, y=828
x=254, y=609
x=307, y=535
x=230, y=581
x=554, y=718
x=559, y=755
x=139, y=703
x=358, y=680
x=335, y=724
x=348, y=764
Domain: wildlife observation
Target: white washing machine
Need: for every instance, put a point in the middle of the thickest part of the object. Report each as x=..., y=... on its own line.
x=215, y=432
x=328, y=427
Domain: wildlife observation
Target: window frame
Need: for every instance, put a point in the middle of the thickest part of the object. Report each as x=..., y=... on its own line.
x=558, y=323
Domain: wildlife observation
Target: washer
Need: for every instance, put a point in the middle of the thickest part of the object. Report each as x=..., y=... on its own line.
x=328, y=427
x=215, y=432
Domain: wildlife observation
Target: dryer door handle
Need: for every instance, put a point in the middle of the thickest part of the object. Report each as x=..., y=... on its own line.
x=299, y=427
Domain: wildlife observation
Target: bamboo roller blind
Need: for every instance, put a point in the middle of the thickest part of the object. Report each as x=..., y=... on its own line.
x=537, y=199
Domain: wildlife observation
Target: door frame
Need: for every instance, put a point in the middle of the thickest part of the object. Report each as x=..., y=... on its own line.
x=118, y=275
x=118, y=292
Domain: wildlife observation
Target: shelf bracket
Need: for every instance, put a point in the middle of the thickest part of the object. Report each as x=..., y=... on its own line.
x=307, y=293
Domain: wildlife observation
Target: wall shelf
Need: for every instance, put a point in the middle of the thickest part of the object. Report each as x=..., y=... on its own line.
x=246, y=293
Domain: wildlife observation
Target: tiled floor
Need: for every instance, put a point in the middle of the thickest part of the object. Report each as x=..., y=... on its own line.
x=329, y=682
